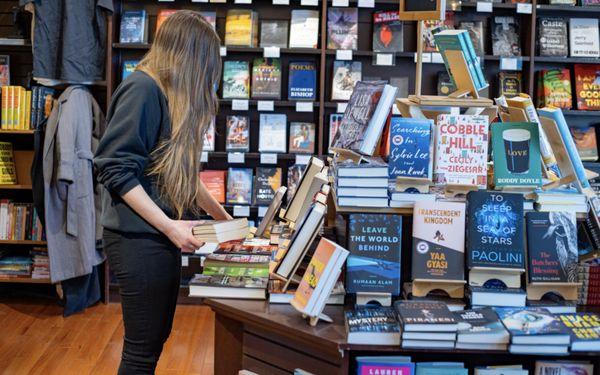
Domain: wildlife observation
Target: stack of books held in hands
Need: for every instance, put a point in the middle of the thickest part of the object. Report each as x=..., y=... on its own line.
x=426, y=325
x=480, y=329
x=361, y=185
x=221, y=230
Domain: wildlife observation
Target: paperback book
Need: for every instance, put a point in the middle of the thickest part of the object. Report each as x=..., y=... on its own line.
x=304, y=29
x=587, y=86
x=480, y=326
x=345, y=76
x=266, y=182
x=425, y=317
x=388, y=34
x=554, y=88
x=239, y=186
x=302, y=138
x=214, y=181
x=236, y=80
x=411, y=148
x=273, y=133
x=533, y=325
x=241, y=28
x=584, y=37
x=511, y=84
x=274, y=33
x=266, y=78
x=302, y=80
x=134, y=27
x=342, y=28
x=553, y=37
x=238, y=134
x=506, y=40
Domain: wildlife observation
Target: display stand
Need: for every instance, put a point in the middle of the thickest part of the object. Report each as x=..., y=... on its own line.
x=511, y=277
x=454, y=288
x=568, y=291
x=404, y=184
x=453, y=190
x=313, y=320
x=365, y=298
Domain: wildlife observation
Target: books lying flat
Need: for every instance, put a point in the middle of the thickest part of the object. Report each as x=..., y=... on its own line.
x=372, y=326
x=425, y=317
x=432, y=336
x=453, y=304
x=584, y=329
x=221, y=231
x=362, y=192
x=220, y=286
x=507, y=297
x=480, y=346
x=427, y=344
x=481, y=326
x=373, y=167
x=236, y=260
x=384, y=365
x=362, y=202
x=381, y=182
x=533, y=326
x=539, y=349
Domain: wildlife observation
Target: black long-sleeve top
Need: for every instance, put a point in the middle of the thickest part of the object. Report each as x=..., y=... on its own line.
x=138, y=118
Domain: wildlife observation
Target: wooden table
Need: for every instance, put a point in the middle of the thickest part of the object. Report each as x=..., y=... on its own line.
x=274, y=339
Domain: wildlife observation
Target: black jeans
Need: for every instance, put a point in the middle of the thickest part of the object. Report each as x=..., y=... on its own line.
x=148, y=269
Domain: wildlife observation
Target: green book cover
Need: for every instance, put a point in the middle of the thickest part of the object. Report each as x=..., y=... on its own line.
x=236, y=271
x=516, y=154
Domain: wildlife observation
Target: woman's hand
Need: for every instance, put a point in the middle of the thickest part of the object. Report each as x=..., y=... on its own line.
x=180, y=233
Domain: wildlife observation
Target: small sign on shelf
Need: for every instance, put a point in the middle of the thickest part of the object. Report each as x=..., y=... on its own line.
x=268, y=158
x=309, y=3
x=281, y=2
x=485, y=7
x=223, y=51
x=511, y=63
x=340, y=3
x=204, y=157
x=302, y=159
x=366, y=3
x=271, y=52
x=343, y=54
x=262, y=211
x=341, y=107
x=265, y=105
x=239, y=104
x=524, y=8
x=384, y=59
x=304, y=106
x=241, y=211
x=236, y=157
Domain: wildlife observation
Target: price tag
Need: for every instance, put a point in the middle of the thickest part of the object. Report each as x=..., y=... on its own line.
x=366, y=3
x=385, y=59
x=236, y=157
x=281, y=2
x=271, y=52
x=268, y=158
x=223, y=51
x=436, y=58
x=309, y=3
x=304, y=106
x=239, y=104
x=341, y=107
x=509, y=63
x=204, y=157
x=395, y=110
x=484, y=6
x=242, y=1
x=302, y=159
x=265, y=105
x=340, y=3
x=343, y=54
x=241, y=211
x=524, y=8
x=262, y=211
x=185, y=261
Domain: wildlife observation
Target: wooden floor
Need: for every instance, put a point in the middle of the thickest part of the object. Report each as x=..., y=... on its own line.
x=36, y=339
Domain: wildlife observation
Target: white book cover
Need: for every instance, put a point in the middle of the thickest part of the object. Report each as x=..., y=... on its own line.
x=584, y=38
x=304, y=29
x=273, y=133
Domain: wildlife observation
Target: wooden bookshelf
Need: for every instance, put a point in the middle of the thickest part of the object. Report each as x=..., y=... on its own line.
x=24, y=280
x=16, y=132
x=15, y=187
x=23, y=242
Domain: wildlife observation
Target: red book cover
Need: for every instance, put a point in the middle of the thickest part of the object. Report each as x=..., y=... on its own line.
x=587, y=87
x=215, y=183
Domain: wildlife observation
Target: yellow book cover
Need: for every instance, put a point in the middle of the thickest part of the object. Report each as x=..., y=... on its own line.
x=16, y=105
x=8, y=175
x=22, y=108
x=239, y=28
x=11, y=104
x=28, y=110
x=4, y=122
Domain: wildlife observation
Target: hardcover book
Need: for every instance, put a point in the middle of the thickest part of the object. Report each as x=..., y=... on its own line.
x=215, y=183
x=475, y=29
x=4, y=70
x=584, y=38
x=128, y=68
x=530, y=321
x=587, y=87
x=585, y=141
x=388, y=34
x=266, y=183
x=273, y=133
x=302, y=138
x=461, y=150
x=266, y=78
x=241, y=28
x=342, y=28
x=375, y=246
x=208, y=143
x=506, y=40
x=510, y=84
x=293, y=179
x=304, y=29
x=236, y=80
x=495, y=230
x=516, y=154
x=239, y=186
x=480, y=326
x=553, y=37
x=162, y=16
x=555, y=88
x=302, y=81
x=335, y=120
x=411, y=148
x=552, y=247
x=134, y=27
x=438, y=241
x=345, y=76
x=274, y=33
x=584, y=329
x=424, y=313
x=238, y=134
x=372, y=323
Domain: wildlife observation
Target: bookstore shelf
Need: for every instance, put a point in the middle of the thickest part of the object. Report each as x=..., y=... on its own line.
x=298, y=51
x=276, y=103
x=473, y=4
x=25, y=280
x=252, y=155
x=15, y=187
x=574, y=112
x=17, y=132
x=567, y=8
x=565, y=60
x=22, y=242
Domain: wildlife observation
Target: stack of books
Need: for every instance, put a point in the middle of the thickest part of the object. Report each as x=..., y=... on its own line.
x=372, y=326
x=237, y=265
x=454, y=304
x=12, y=266
x=535, y=330
x=221, y=231
x=560, y=200
x=41, y=264
x=441, y=368
x=584, y=329
x=384, y=365
x=589, y=275
x=496, y=296
x=361, y=185
x=426, y=325
x=480, y=329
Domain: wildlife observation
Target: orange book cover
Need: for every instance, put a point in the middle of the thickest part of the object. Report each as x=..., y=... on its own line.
x=4, y=107
x=162, y=16
x=215, y=183
x=22, y=108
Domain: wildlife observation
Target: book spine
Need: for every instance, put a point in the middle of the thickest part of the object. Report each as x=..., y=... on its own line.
x=4, y=122
x=28, y=110
x=11, y=103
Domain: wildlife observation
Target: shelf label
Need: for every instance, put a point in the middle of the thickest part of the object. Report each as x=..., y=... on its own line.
x=304, y=106
x=510, y=63
x=265, y=105
x=385, y=59
x=340, y=3
x=343, y=54
x=302, y=159
x=273, y=52
x=242, y=1
x=262, y=211
x=199, y=1
x=436, y=58
x=484, y=6
x=268, y=158
x=223, y=51
x=524, y=8
x=236, y=157
x=241, y=211
x=166, y=1
x=366, y=3
x=185, y=261
x=309, y=3
x=281, y=2
x=426, y=57
x=239, y=104
x=204, y=157
x=341, y=107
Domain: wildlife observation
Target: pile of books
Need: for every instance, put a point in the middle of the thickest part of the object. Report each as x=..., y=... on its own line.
x=426, y=325
x=362, y=185
x=480, y=329
x=19, y=221
x=560, y=200
x=14, y=266
x=221, y=231
x=41, y=263
x=589, y=276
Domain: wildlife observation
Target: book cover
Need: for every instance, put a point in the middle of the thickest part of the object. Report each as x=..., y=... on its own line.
x=516, y=154
x=553, y=37
x=302, y=81
x=302, y=138
x=424, y=313
x=552, y=247
x=240, y=27
x=134, y=27
x=214, y=181
x=273, y=133
x=4, y=70
x=411, y=148
x=239, y=186
x=128, y=68
x=238, y=134
x=530, y=321
x=479, y=322
x=274, y=33
x=385, y=365
x=266, y=183
x=375, y=246
x=208, y=142
x=388, y=33
x=556, y=88
x=506, y=40
x=445, y=86
x=510, y=84
x=304, y=29
x=431, y=27
x=583, y=327
x=8, y=173
x=400, y=83
x=585, y=141
x=495, y=230
x=587, y=87
x=210, y=17
x=584, y=38
x=345, y=76
x=372, y=320
x=266, y=78
x=461, y=150
x=230, y=281
x=475, y=29
x=236, y=80
x=563, y=368
x=335, y=120
x=293, y=179
x=162, y=16
x=342, y=28
x=438, y=241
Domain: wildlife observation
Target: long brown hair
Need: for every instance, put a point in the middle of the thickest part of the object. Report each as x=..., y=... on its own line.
x=184, y=61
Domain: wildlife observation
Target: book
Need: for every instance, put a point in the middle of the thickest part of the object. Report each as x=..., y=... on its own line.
x=236, y=80
x=385, y=365
x=584, y=329
x=345, y=76
x=555, y=88
x=128, y=68
x=584, y=38
x=304, y=29
x=461, y=150
x=239, y=186
x=163, y=14
x=587, y=86
x=533, y=326
x=445, y=85
x=238, y=134
x=214, y=181
x=278, y=296
x=274, y=33
x=134, y=27
x=266, y=183
x=375, y=245
x=218, y=231
x=411, y=148
x=8, y=172
x=453, y=42
x=221, y=286
x=372, y=326
x=388, y=33
x=553, y=37
x=511, y=83
x=431, y=27
x=438, y=240
x=241, y=28
x=342, y=28
x=425, y=317
x=335, y=120
x=293, y=179
x=475, y=29
x=480, y=326
x=313, y=178
x=302, y=80
x=4, y=70
x=400, y=83
x=506, y=39
x=208, y=141
x=516, y=154
x=563, y=368
x=495, y=230
x=441, y=368
x=266, y=78
x=211, y=18
x=302, y=138
x=272, y=210
x=273, y=133
x=585, y=142
x=319, y=278
x=552, y=247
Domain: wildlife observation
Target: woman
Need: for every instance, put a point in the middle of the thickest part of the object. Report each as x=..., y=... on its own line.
x=148, y=162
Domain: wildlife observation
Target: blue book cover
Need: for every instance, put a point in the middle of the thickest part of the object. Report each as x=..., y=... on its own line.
x=128, y=68
x=133, y=27
x=530, y=321
x=410, y=148
x=302, y=81
x=441, y=368
x=239, y=186
x=460, y=41
x=374, y=261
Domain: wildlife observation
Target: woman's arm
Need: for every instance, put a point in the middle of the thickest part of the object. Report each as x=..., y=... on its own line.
x=209, y=204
